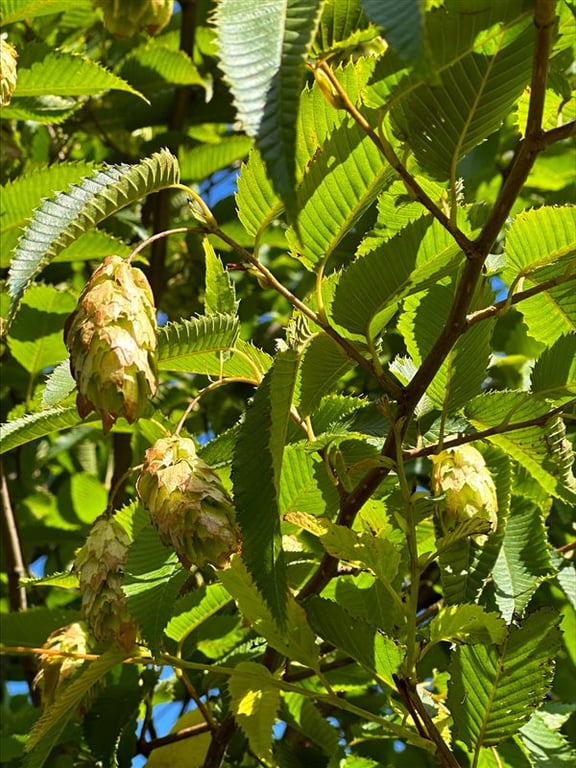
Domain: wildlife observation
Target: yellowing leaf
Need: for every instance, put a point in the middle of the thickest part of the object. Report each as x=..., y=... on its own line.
x=255, y=702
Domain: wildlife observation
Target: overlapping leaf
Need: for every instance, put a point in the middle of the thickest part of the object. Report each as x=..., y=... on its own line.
x=255, y=702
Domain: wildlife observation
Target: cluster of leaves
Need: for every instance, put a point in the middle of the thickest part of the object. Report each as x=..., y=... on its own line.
x=391, y=275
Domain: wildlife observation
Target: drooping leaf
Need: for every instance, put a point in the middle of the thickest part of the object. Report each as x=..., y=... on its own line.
x=295, y=641
x=493, y=690
x=192, y=610
x=58, y=222
x=468, y=624
x=540, y=245
x=256, y=471
x=48, y=729
x=177, y=754
x=266, y=77
x=255, y=702
x=220, y=296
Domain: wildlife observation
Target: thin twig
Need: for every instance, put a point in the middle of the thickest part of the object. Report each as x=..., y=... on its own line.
x=15, y=565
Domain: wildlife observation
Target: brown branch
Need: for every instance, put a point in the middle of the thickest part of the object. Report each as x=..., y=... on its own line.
x=15, y=565
x=561, y=133
x=498, y=306
x=180, y=106
x=499, y=429
x=424, y=723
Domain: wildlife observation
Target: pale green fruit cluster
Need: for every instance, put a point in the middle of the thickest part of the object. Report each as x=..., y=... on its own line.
x=112, y=340
x=99, y=565
x=8, y=71
x=188, y=504
x=55, y=670
x=126, y=18
x=461, y=477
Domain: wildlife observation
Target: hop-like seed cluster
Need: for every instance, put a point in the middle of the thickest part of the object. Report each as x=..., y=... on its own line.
x=111, y=337
x=8, y=71
x=125, y=18
x=55, y=670
x=461, y=476
x=99, y=565
x=188, y=504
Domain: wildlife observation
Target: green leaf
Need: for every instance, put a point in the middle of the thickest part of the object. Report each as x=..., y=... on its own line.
x=295, y=641
x=324, y=362
x=36, y=339
x=343, y=25
x=58, y=222
x=474, y=54
x=540, y=245
x=32, y=627
x=523, y=562
x=266, y=77
x=256, y=470
x=20, y=196
x=220, y=296
x=66, y=74
x=547, y=746
x=36, y=425
x=554, y=374
x=19, y=10
x=404, y=28
x=416, y=258
x=342, y=180
x=302, y=714
x=202, y=345
x=494, y=690
x=468, y=624
x=526, y=445
x=94, y=246
x=195, y=608
x=154, y=65
x=48, y=729
x=50, y=110
x=255, y=701
x=201, y=162
x=153, y=578
x=305, y=484
x=59, y=384
x=64, y=580
x=355, y=637
x=256, y=199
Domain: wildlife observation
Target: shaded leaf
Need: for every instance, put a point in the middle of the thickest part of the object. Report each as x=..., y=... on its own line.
x=192, y=610
x=493, y=690
x=220, y=295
